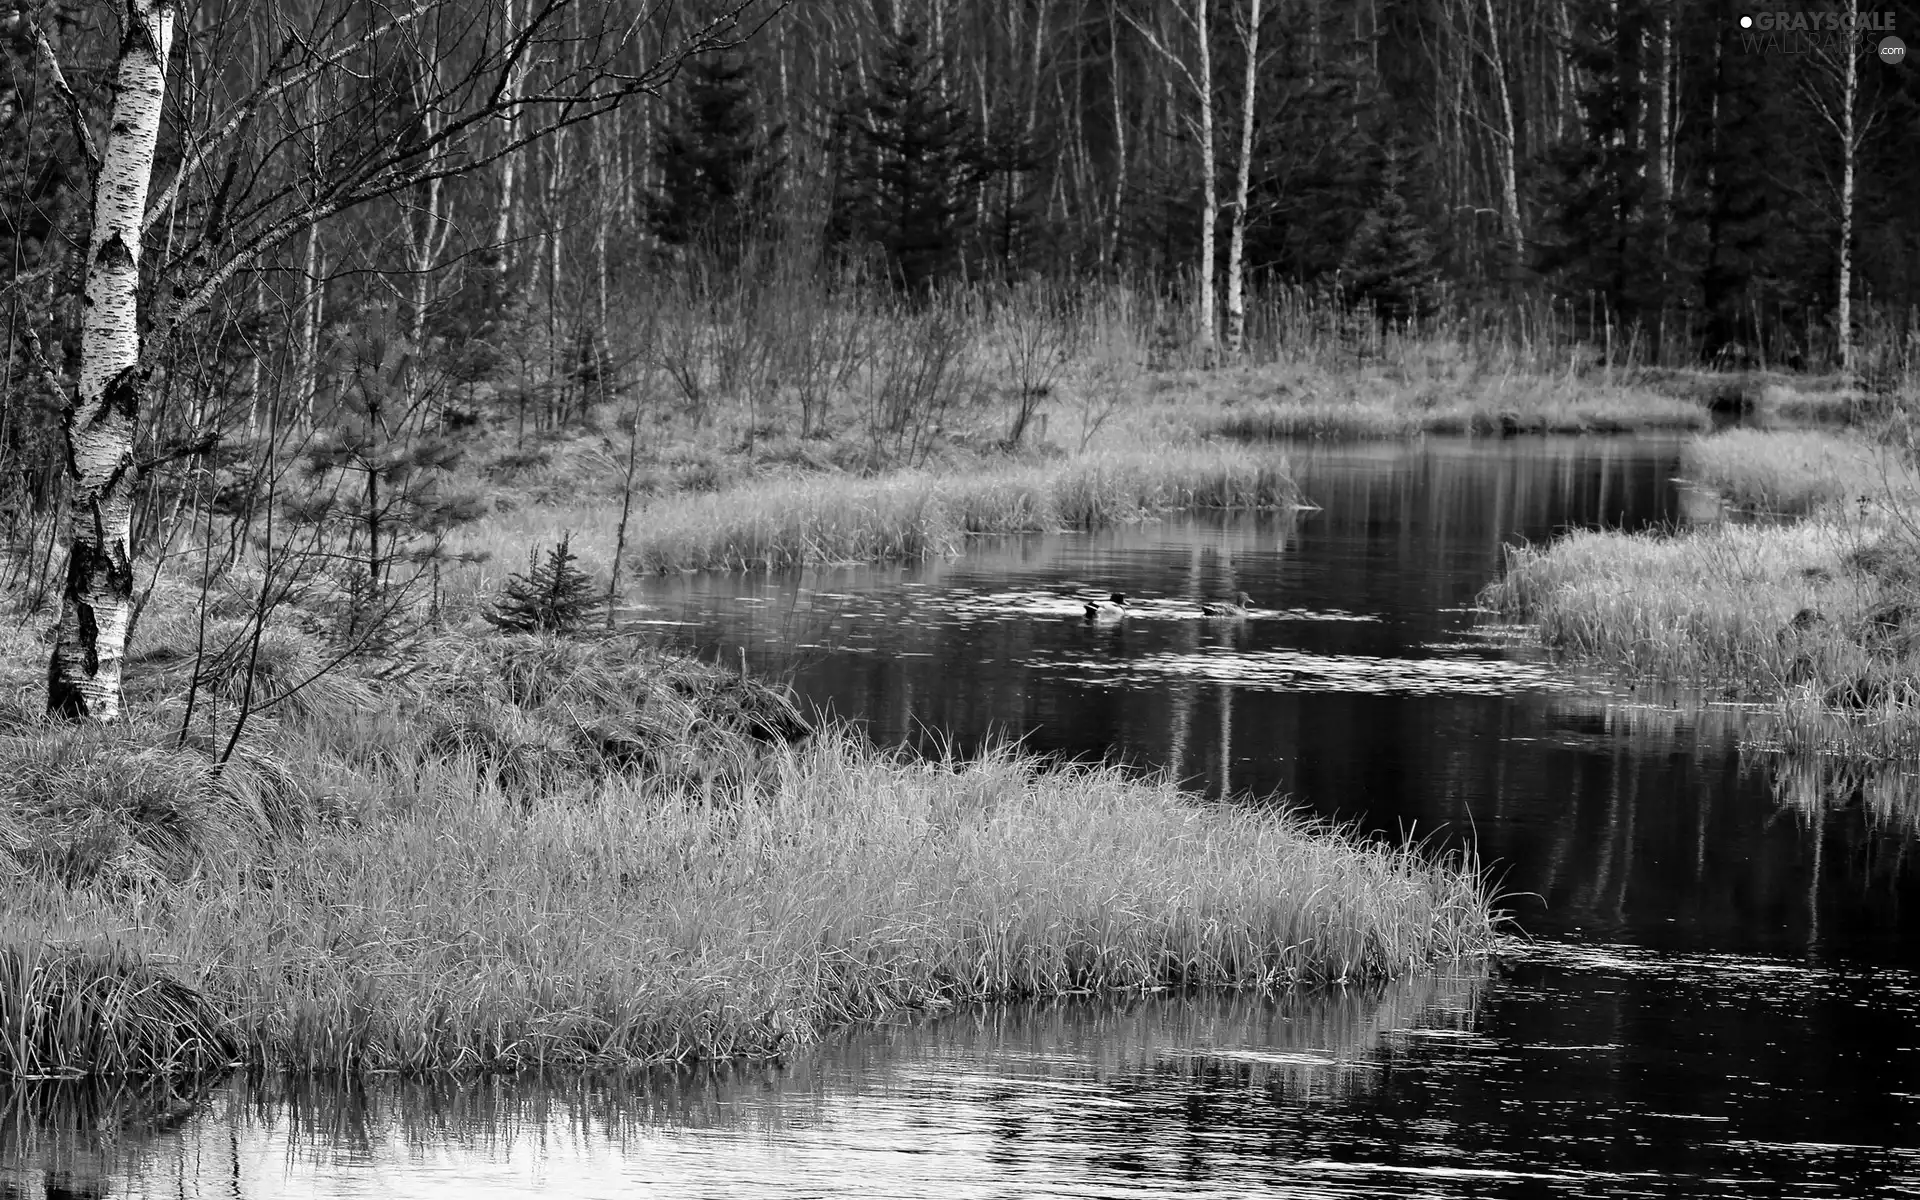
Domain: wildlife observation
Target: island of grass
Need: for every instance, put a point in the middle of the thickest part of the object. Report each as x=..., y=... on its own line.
x=1809, y=598
x=534, y=851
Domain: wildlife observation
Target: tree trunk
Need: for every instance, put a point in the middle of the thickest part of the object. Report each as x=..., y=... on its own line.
x=1119, y=146
x=1210, y=199
x=83, y=675
x=1504, y=148
x=1236, y=247
x=502, y=218
x=1849, y=94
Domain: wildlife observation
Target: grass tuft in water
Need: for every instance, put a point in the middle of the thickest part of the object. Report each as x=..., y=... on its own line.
x=541, y=852
x=99, y=1009
x=1791, y=473
x=793, y=522
x=1820, y=616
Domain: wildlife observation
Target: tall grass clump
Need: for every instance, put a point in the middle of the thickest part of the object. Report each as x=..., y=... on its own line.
x=73, y=1009
x=1713, y=607
x=785, y=523
x=1792, y=473
x=533, y=851
x=837, y=885
x=1820, y=616
x=1435, y=393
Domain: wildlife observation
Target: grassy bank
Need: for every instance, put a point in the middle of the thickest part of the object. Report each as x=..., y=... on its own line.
x=799, y=520
x=536, y=852
x=1438, y=399
x=1794, y=473
x=921, y=514
x=1818, y=614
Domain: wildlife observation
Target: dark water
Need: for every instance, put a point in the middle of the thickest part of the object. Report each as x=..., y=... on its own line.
x=1716, y=993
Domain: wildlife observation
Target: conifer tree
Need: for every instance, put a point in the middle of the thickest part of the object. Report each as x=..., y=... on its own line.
x=909, y=164
x=554, y=596
x=1390, y=260
x=719, y=174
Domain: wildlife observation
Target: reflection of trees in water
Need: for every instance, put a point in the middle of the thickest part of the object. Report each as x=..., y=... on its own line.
x=1686, y=811
x=1103, y=1074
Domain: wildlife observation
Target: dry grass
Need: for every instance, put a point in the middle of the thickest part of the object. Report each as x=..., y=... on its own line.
x=537, y=852
x=1821, y=616
x=788, y=523
x=1793, y=472
x=1436, y=394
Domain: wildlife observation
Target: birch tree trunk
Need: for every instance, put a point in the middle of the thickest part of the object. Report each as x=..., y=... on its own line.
x=1236, y=246
x=83, y=675
x=1119, y=145
x=1209, y=197
x=1849, y=145
x=503, y=216
x=1504, y=147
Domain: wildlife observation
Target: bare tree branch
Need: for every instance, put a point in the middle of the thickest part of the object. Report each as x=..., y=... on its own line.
x=78, y=119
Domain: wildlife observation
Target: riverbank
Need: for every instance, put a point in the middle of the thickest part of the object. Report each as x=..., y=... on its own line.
x=1815, y=610
x=1102, y=448
x=539, y=853
x=803, y=520
x=1255, y=405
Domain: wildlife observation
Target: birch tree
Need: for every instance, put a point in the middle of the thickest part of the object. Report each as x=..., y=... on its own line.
x=83, y=677
x=344, y=142
x=1832, y=91
x=1196, y=15
x=1504, y=143
x=1236, y=245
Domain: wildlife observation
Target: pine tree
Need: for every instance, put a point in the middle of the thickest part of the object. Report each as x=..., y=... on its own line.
x=909, y=164
x=554, y=596
x=1605, y=235
x=719, y=175
x=1390, y=260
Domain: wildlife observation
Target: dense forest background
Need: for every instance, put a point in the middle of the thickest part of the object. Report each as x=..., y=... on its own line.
x=366, y=228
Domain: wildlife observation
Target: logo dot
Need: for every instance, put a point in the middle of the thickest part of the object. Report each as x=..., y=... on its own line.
x=1746, y=22
x=1892, y=51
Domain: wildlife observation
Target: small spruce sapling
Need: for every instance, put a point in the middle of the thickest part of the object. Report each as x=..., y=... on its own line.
x=555, y=596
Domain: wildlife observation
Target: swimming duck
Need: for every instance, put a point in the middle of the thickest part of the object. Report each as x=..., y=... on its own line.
x=1107, y=610
x=1236, y=607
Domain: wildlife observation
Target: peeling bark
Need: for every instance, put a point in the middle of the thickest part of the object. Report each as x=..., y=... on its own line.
x=83, y=674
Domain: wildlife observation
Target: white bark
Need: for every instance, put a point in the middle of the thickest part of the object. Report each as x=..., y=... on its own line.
x=83, y=676
x=1237, y=240
x=502, y=221
x=1210, y=197
x=1504, y=145
x=429, y=237
x=1849, y=145
x=1119, y=145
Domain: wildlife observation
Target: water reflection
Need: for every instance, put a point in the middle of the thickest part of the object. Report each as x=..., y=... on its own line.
x=1138, y=1089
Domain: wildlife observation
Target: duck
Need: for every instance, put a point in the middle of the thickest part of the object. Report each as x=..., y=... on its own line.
x=1111, y=609
x=1236, y=607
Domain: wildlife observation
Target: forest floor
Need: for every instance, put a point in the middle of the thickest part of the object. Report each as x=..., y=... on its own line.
x=1811, y=604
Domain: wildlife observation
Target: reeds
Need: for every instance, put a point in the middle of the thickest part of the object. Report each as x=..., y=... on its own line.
x=1432, y=395
x=1708, y=608
x=99, y=1009
x=1820, y=616
x=1792, y=473
x=545, y=853
x=786, y=523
